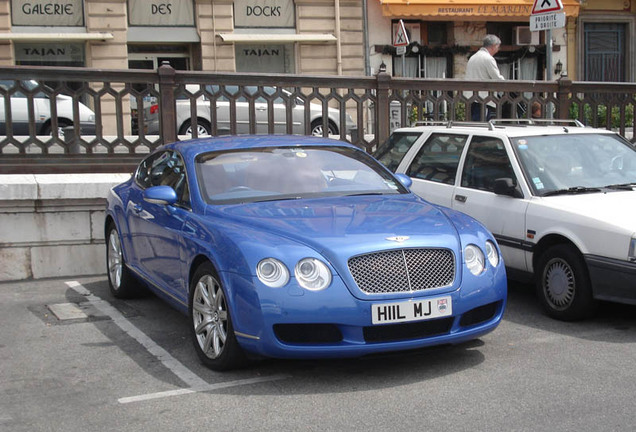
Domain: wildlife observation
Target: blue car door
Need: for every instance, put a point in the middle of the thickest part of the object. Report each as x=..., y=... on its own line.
x=156, y=229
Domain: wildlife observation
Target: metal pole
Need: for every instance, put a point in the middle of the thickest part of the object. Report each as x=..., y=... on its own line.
x=548, y=67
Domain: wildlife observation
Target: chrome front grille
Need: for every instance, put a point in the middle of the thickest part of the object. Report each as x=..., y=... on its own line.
x=403, y=270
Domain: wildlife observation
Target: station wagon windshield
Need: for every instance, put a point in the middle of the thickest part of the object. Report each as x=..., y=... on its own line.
x=576, y=163
x=270, y=174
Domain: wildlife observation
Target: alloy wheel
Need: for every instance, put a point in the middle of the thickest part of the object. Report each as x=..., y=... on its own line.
x=115, y=261
x=210, y=317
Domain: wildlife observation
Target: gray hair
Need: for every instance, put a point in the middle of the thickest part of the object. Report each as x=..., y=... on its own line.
x=490, y=40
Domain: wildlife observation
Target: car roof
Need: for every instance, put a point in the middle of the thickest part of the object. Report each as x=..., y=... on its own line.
x=511, y=128
x=236, y=142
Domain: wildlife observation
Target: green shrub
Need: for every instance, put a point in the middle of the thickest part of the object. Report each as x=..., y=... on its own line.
x=600, y=119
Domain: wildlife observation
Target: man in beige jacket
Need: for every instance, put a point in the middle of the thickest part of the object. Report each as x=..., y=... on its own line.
x=482, y=66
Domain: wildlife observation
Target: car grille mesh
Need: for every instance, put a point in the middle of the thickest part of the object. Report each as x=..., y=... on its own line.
x=403, y=270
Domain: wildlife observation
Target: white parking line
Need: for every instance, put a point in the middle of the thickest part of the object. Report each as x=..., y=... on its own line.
x=209, y=387
x=194, y=382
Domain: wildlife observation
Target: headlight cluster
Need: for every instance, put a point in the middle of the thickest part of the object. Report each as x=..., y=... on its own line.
x=475, y=259
x=631, y=255
x=311, y=273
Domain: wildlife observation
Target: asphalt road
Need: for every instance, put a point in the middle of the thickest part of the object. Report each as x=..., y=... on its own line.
x=74, y=359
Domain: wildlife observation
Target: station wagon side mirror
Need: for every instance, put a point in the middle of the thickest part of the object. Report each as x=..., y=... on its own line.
x=162, y=195
x=405, y=180
x=506, y=186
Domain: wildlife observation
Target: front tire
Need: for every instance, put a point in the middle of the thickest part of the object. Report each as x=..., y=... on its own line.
x=121, y=281
x=211, y=323
x=563, y=284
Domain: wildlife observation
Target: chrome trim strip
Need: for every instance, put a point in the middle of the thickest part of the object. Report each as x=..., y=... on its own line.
x=246, y=335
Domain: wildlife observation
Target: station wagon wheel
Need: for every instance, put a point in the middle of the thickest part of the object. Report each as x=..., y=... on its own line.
x=316, y=128
x=203, y=128
x=563, y=284
x=211, y=326
x=121, y=281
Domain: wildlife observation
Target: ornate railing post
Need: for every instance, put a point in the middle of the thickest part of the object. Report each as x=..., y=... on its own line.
x=563, y=97
x=167, y=111
x=382, y=110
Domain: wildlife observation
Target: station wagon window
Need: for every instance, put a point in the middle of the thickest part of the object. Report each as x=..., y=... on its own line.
x=438, y=158
x=393, y=150
x=486, y=161
x=165, y=169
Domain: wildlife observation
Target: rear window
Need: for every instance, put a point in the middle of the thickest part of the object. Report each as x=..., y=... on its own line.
x=391, y=152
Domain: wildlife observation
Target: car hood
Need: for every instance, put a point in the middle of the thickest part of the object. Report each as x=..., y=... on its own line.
x=339, y=228
x=616, y=208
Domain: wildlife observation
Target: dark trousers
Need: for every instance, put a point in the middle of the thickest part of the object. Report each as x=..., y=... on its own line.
x=475, y=112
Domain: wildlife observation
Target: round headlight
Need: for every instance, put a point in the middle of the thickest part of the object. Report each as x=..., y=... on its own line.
x=272, y=273
x=312, y=274
x=491, y=252
x=474, y=259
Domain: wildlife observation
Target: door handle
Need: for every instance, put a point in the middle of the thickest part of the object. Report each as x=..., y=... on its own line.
x=261, y=109
x=460, y=198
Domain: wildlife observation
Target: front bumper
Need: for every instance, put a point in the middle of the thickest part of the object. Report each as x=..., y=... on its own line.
x=294, y=323
x=612, y=279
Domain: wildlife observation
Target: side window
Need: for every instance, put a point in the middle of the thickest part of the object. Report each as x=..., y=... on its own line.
x=142, y=176
x=438, y=158
x=486, y=161
x=165, y=169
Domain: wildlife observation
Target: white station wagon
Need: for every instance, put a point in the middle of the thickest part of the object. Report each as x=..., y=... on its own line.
x=559, y=197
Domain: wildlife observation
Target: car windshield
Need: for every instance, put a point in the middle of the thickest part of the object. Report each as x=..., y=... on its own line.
x=391, y=152
x=576, y=163
x=279, y=173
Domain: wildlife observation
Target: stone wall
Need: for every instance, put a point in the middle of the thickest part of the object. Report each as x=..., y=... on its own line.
x=52, y=225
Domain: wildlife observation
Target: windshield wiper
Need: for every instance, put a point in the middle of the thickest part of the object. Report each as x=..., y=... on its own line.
x=278, y=199
x=622, y=186
x=572, y=191
x=364, y=193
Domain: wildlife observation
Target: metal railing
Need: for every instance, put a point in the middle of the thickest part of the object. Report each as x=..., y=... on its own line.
x=44, y=126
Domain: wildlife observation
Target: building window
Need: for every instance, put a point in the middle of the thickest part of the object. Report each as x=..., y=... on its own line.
x=68, y=13
x=419, y=61
x=266, y=58
x=175, y=13
x=49, y=54
x=264, y=14
x=604, y=52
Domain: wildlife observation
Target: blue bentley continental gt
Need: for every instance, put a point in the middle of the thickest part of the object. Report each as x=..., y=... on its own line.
x=298, y=247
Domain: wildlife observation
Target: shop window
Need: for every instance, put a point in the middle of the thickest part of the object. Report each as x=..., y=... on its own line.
x=265, y=58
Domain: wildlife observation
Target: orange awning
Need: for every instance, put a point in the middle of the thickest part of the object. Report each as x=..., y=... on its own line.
x=468, y=10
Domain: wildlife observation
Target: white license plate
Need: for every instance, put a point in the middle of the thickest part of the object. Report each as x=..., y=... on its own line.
x=399, y=312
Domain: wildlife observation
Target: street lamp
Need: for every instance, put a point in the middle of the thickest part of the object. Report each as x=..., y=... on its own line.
x=558, y=68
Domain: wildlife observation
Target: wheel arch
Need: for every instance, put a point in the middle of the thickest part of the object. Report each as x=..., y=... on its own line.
x=47, y=123
x=547, y=242
x=108, y=221
x=196, y=263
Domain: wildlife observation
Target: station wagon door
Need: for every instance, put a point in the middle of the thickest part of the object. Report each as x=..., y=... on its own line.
x=435, y=165
x=505, y=216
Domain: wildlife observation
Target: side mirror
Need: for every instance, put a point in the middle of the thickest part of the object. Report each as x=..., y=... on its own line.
x=162, y=195
x=405, y=180
x=506, y=186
